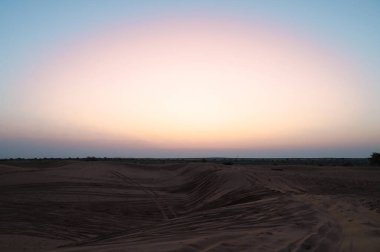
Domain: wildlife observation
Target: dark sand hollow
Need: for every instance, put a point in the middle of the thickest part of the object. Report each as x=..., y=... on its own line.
x=114, y=206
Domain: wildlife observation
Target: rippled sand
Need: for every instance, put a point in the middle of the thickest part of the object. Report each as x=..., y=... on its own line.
x=114, y=206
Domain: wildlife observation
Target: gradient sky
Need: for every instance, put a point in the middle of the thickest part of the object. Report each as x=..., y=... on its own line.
x=189, y=78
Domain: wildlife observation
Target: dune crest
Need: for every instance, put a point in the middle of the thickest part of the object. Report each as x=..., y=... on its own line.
x=115, y=206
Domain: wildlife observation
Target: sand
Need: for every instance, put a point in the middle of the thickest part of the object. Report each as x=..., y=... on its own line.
x=115, y=206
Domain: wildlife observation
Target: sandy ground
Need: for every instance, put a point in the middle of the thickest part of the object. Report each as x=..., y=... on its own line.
x=113, y=206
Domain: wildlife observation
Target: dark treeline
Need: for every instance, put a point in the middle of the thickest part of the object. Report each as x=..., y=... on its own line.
x=221, y=160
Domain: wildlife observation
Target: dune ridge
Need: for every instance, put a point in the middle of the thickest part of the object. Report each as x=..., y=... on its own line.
x=116, y=206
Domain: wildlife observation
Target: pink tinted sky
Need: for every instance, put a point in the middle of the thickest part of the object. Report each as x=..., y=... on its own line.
x=190, y=86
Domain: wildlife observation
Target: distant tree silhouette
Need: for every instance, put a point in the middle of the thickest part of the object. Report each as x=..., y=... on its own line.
x=375, y=158
x=91, y=159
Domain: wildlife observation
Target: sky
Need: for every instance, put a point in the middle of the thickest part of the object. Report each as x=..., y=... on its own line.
x=189, y=78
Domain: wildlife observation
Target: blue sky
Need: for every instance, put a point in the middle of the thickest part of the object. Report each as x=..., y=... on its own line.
x=30, y=29
x=31, y=25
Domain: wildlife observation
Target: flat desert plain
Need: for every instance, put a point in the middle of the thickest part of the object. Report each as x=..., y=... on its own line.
x=76, y=205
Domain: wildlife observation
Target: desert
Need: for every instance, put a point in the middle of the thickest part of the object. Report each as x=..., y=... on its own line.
x=203, y=125
x=110, y=205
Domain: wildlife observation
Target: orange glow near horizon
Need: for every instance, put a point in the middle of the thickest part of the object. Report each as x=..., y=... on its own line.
x=194, y=85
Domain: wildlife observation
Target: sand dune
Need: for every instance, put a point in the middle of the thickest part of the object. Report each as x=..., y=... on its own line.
x=115, y=206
